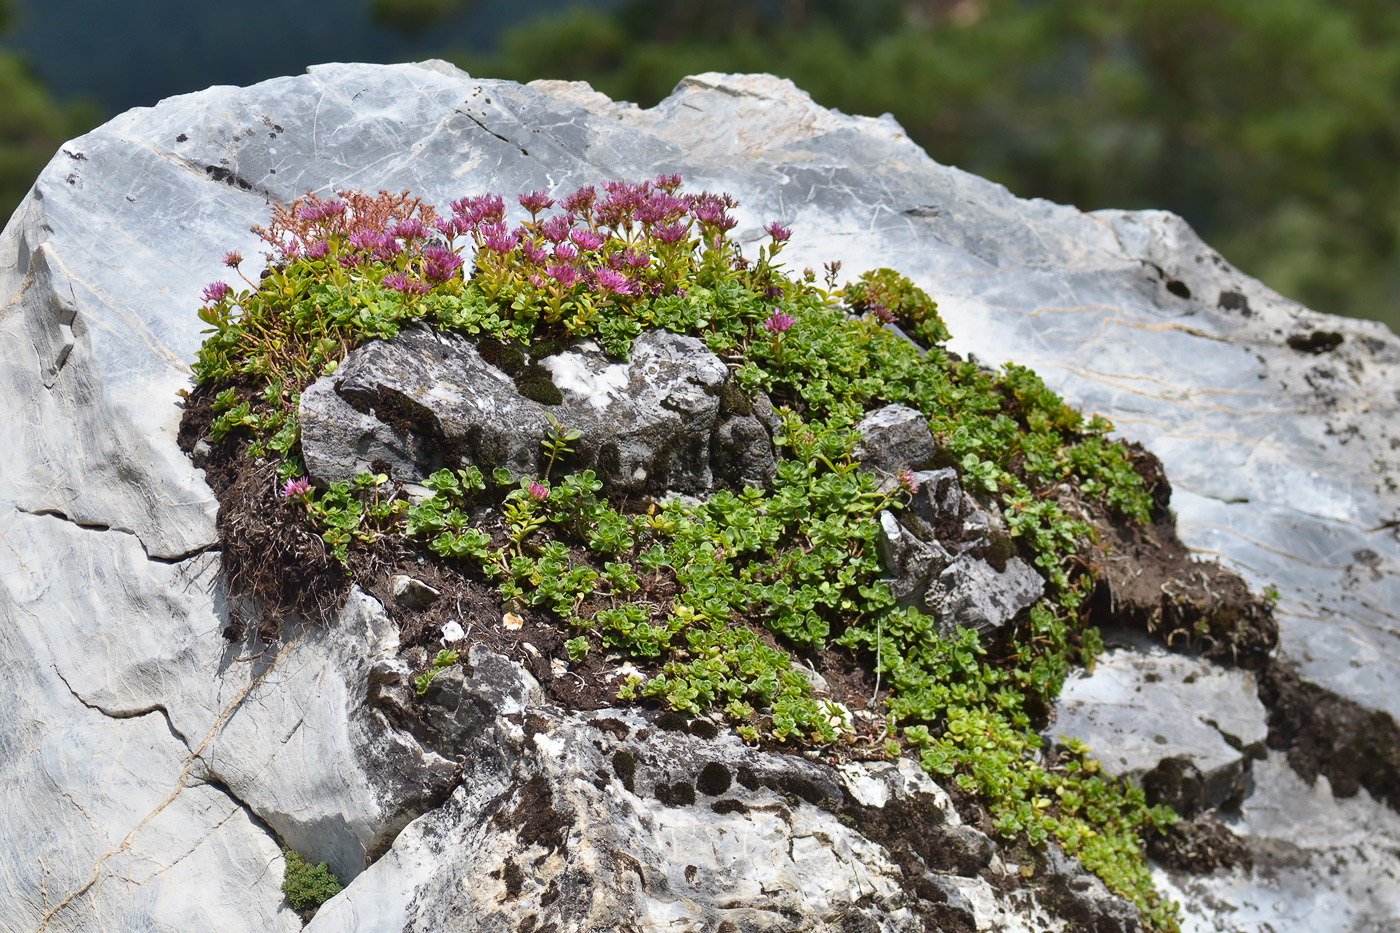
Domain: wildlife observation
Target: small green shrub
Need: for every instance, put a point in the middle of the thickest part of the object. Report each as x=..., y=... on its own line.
x=307, y=886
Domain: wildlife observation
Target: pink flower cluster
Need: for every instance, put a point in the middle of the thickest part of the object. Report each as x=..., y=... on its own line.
x=296, y=487
x=602, y=242
x=618, y=239
x=358, y=231
x=778, y=323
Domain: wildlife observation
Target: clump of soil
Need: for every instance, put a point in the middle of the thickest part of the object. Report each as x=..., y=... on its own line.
x=1322, y=733
x=1200, y=845
x=1147, y=580
x=271, y=558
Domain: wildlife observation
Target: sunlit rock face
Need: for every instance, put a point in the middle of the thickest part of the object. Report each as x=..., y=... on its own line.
x=149, y=774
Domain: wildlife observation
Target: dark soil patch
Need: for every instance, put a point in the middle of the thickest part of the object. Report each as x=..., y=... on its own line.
x=679, y=794
x=625, y=767
x=1148, y=580
x=275, y=565
x=1322, y=733
x=919, y=838
x=1199, y=845
x=713, y=779
x=534, y=819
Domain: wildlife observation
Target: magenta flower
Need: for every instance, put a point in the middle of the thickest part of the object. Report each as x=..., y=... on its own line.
x=566, y=252
x=386, y=248
x=454, y=227
x=534, y=253
x=881, y=314
x=778, y=232
x=610, y=280
x=364, y=239
x=555, y=228
x=621, y=201
x=670, y=233
x=563, y=274
x=485, y=209
x=538, y=492
x=501, y=241
x=660, y=206
x=778, y=323
x=440, y=264
x=668, y=183
x=317, y=250
x=412, y=229
x=296, y=487
x=536, y=201
x=493, y=208
x=586, y=239
x=320, y=210
x=907, y=481
x=634, y=259
x=402, y=283
x=709, y=209
x=232, y=259
x=581, y=200
x=216, y=291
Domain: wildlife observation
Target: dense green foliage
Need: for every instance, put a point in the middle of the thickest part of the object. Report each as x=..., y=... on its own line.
x=716, y=597
x=307, y=886
x=1269, y=126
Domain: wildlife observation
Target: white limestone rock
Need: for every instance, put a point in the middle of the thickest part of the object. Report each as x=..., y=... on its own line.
x=147, y=777
x=1187, y=729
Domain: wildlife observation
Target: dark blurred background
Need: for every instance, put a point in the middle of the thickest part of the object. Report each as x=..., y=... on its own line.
x=1273, y=127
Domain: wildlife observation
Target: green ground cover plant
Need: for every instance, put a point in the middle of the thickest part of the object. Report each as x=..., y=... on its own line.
x=307, y=886
x=718, y=596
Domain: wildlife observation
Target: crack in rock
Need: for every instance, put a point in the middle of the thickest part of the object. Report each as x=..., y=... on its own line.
x=181, y=557
x=125, y=713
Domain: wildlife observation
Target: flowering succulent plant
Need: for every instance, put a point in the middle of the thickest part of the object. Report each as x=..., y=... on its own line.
x=799, y=561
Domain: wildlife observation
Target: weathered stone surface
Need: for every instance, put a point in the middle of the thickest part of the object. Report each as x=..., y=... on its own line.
x=604, y=821
x=1186, y=730
x=141, y=787
x=651, y=422
x=895, y=438
x=1321, y=863
x=950, y=556
x=412, y=593
x=972, y=593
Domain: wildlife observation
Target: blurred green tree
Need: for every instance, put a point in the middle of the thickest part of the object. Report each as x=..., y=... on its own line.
x=415, y=17
x=1271, y=127
x=32, y=124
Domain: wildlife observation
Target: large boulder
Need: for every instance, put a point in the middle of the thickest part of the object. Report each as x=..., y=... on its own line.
x=149, y=775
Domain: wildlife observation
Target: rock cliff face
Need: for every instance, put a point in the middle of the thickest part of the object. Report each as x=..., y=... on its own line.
x=150, y=775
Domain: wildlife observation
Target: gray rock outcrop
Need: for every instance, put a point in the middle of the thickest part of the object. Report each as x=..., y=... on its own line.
x=1187, y=730
x=895, y=438
x=149, y=776
x=654, y=422
x=951, y=557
